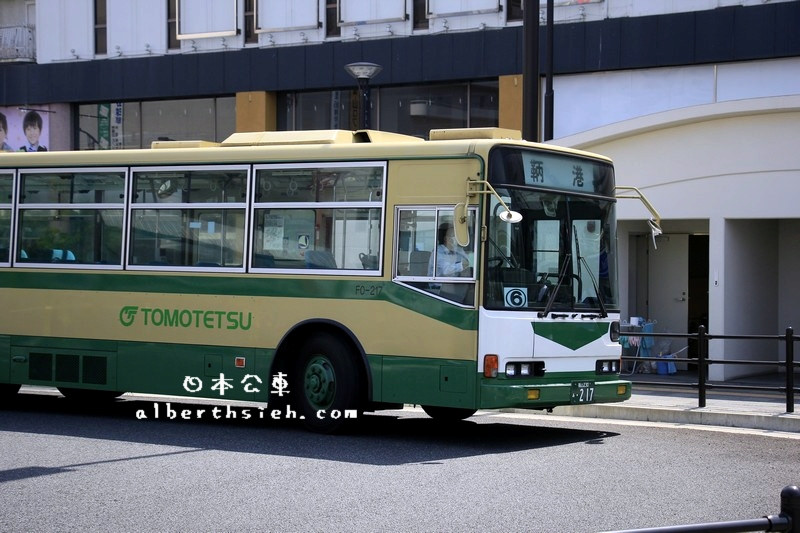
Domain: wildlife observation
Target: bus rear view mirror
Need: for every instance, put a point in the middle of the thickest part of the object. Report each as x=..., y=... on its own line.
x=460, y=224
x=475, y=187
x=655, y=231
x=510, y=216
x=655, y=222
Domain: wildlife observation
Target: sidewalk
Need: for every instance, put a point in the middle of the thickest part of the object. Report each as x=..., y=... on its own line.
x=765, y=410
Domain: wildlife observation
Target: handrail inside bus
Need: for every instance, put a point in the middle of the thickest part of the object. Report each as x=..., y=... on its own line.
x=655, y=222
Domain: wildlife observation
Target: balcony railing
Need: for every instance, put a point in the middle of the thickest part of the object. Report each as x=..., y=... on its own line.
x=17, y=43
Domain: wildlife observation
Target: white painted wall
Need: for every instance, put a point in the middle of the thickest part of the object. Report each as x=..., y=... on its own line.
x=702, y=162
x=789, y=278
x=586, y=101
x=135, y=26
x=751, y=293
x=736, y=165
x=13, y=14
x=64, y=30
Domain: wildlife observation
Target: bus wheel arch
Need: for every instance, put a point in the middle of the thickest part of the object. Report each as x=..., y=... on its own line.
x=327, y=370
x=448, y=414
x=8, y=391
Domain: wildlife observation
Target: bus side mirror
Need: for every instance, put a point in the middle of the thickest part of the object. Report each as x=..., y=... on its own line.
x=655, y=231
x=460, y=228
x=655, y=222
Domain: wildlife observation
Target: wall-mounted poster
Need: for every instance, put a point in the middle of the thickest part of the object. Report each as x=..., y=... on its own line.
x=24, y=130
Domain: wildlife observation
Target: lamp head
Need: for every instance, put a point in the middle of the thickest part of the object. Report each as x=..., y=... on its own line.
x=363, y=70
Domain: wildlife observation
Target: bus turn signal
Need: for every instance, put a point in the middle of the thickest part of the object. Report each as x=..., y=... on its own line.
x=490, y=365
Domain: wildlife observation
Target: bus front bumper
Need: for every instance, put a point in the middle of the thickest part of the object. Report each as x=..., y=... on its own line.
x=502, y=393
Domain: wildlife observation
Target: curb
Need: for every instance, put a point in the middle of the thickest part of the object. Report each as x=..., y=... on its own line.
x=785, y=422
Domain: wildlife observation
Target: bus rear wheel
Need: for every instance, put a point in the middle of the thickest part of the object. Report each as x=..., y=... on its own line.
x=448, y=414
x=328, y=384
x=8, y=391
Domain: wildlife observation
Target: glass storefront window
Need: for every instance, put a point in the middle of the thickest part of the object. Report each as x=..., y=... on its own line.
x=418, y=109
x=412, y=110
x=207, y=119
x=483, y=104
x=324, y=110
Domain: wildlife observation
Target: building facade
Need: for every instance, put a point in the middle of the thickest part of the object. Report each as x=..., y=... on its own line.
x=697, y=101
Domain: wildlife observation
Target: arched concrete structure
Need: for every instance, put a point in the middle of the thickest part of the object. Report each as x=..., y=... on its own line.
x=730, y=170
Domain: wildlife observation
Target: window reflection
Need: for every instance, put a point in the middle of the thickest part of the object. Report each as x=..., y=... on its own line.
x=411, y=110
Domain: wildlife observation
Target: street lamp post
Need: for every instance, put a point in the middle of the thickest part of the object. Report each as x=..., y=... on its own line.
x=363, y=72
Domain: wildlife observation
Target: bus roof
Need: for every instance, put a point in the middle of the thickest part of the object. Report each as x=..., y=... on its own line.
x=291, y=145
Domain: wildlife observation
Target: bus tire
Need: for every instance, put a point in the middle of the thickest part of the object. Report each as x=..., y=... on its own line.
x=89, y=395
x=8, y=391
x=327, y=384
x=448, y=414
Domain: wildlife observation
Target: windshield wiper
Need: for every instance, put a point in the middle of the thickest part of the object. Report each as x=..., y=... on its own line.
x=552, y=298
x=603, y=312
x=582, y=259
x=510, y=259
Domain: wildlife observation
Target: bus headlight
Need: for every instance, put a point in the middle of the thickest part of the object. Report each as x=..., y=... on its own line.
x=525, y=369
x=607, y=366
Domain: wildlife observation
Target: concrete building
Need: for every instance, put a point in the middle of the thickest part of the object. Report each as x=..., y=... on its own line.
x=697, y=101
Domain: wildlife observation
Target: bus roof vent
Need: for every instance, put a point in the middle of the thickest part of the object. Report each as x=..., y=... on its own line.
x=267, y=138
x=183, y=144
x=475, y=133
x=375, y=136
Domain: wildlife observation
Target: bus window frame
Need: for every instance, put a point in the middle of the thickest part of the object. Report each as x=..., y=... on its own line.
x=411, y=282
x=9, y=206
x=331, y=205
x=19, y=207
x=188, y=206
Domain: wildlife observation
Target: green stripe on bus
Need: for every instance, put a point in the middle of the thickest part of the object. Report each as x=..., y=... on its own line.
x=339, y=289
x=573, y=335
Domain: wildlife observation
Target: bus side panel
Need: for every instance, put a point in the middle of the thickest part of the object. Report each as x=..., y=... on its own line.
x=376, y=370
x=5, y=358
x=57, y=362
x=441, y=382
x=191, y=370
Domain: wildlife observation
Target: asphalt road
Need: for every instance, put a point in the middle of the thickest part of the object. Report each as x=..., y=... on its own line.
x=65, y=467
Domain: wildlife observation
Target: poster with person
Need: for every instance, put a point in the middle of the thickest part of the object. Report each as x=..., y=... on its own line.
x=24, y=129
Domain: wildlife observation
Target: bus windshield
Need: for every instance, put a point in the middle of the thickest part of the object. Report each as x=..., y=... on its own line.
x=562, y=255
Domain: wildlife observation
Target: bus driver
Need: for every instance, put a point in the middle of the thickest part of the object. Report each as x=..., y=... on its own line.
x=451, y=261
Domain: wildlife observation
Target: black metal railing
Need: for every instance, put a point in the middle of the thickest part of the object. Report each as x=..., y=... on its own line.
x=787, y=520
x=702, y=361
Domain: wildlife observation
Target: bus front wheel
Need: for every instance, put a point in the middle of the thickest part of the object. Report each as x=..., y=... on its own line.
x=448, y=414
x=329, y=381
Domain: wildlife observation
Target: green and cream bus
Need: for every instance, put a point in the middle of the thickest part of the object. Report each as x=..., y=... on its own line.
x=325, y=272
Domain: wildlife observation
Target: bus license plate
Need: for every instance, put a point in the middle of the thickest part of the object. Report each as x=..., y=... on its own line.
x=582, y=392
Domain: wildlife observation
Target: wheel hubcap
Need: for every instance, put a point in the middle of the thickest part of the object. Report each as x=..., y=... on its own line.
x=319, y=382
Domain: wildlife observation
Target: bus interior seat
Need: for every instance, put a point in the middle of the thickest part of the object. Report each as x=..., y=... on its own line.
x=463, y=293
x=263, y=261
x=63, y=256
x=321, y=259
x=418, y=266
x=369, y=262
x=207, y=264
